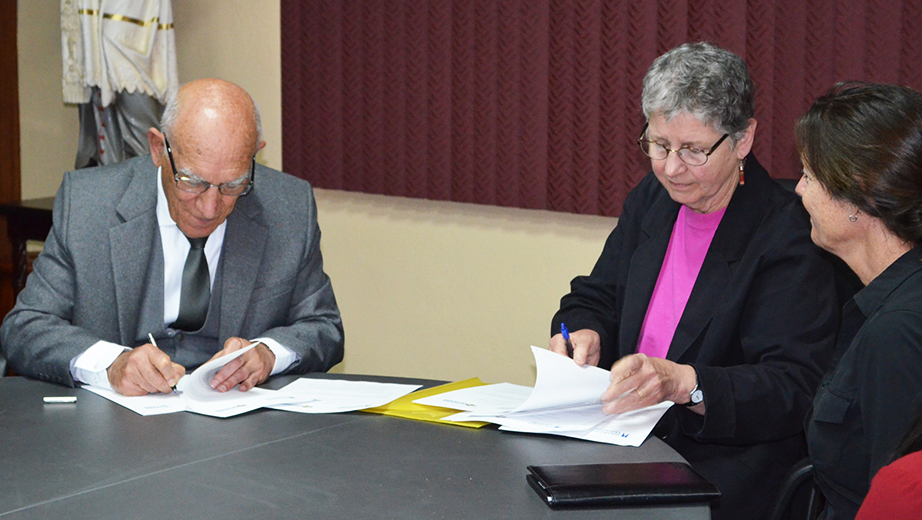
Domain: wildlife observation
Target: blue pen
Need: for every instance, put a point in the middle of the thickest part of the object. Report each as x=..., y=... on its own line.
x=566, y=338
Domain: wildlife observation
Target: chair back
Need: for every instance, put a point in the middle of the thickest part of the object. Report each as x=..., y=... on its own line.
x=800, y=498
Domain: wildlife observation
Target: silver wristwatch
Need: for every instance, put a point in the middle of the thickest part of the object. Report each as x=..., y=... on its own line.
x=696, y=396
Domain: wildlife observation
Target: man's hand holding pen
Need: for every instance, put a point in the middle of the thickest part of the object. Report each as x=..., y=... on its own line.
x=144, y=370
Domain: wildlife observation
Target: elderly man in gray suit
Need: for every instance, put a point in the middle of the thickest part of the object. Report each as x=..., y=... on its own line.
x=158, y=264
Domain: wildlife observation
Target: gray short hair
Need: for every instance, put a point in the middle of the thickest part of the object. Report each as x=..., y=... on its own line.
x=171, y=114
x=705, y=81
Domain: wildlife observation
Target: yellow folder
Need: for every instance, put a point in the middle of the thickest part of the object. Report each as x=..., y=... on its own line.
x=406, y=408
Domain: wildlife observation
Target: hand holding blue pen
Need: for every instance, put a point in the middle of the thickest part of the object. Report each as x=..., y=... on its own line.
x=566, y=339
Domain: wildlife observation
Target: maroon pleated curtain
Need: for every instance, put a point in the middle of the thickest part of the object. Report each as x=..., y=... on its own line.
x=535, y=103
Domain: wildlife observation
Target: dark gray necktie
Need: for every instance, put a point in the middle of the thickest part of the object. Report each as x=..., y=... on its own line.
x=196, y=288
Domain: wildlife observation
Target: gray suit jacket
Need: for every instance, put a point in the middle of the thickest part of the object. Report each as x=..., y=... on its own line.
x=88, y=282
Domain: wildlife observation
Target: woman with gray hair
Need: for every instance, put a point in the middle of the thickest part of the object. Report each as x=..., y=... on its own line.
x=709, y=292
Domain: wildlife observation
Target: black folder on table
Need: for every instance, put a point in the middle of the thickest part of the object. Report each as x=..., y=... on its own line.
x=608, y=485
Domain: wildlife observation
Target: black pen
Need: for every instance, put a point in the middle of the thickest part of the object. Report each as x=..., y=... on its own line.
x=153, y=342
x=566, y=338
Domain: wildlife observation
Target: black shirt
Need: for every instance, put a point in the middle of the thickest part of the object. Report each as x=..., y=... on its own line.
x=864, y=406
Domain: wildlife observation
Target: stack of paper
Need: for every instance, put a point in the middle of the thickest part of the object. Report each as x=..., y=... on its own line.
x=337, y=396
x=565, y=401
x=194, y=394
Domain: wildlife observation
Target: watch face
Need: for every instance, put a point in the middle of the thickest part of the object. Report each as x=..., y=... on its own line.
x=697, y=396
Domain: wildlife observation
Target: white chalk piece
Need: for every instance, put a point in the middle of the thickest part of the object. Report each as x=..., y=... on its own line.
x=61, y=399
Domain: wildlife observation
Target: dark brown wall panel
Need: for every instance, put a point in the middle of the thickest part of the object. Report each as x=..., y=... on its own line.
x=535, y=103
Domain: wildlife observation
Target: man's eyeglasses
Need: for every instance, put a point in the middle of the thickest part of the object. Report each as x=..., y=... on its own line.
x=191, y=183
x=688, y=155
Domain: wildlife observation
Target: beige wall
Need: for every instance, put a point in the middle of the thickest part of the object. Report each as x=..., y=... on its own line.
x=48, y=129
x=449, y=291
x=236, y=40
x=427, y=289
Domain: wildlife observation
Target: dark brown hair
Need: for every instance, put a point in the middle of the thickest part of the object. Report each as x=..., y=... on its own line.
x=863, y=143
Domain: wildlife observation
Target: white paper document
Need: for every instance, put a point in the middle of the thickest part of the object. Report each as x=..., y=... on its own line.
x=334, y=396
x=303, y=395
x=565, y=401
x=485, y=399
x=196, y=395
x=151, y=404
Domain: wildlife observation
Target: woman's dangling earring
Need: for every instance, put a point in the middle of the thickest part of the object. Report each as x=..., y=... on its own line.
x=742, y=174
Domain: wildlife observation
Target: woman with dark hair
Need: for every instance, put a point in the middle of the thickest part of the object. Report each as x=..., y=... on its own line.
x=709, y=293
x=861, y=148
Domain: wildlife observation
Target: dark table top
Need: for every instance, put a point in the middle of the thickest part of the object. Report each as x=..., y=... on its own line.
x=96, y=459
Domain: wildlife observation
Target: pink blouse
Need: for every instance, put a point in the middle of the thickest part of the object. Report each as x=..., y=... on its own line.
x=688, y=245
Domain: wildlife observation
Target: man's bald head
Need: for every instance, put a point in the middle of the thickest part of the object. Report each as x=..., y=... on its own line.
x=212, y=107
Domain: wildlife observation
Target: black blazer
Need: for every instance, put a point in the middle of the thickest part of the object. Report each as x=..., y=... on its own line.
x=759, y=328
